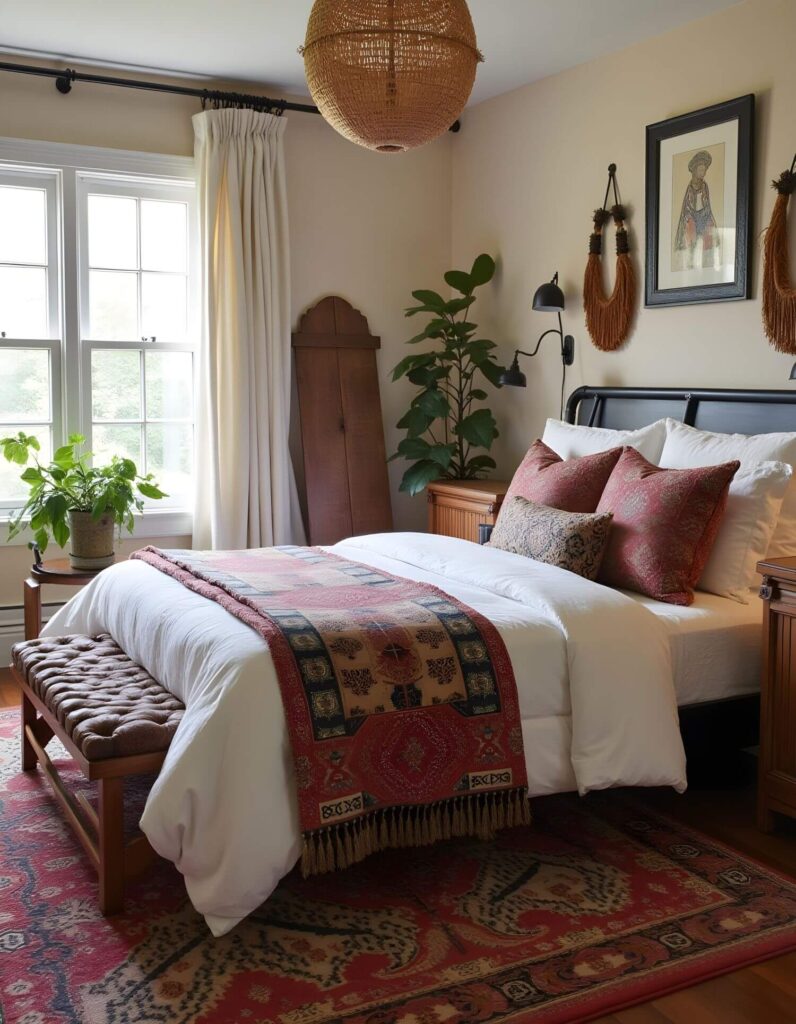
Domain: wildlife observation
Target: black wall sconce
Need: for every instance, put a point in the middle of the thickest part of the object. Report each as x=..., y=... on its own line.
x=548, y=299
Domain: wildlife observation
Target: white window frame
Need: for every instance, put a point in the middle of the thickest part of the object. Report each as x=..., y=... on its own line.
x=164, y=190
x=50, y=180
x=71, y=167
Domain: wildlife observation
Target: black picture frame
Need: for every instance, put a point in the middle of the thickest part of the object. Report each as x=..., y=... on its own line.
x=742, y=110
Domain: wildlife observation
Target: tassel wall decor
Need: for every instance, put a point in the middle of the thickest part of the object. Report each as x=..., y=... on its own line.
x=779, y=295
x=608, y=319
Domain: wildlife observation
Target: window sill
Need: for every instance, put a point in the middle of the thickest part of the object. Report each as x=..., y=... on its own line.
x=165, y=523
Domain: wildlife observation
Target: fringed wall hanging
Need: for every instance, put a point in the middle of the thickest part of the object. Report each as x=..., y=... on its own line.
x=608, y=318
x=779, y=294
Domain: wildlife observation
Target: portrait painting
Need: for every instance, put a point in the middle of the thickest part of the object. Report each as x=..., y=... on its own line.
x=698, y=183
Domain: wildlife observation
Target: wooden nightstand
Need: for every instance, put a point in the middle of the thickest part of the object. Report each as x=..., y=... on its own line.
x=777, y=768
x=456, y=507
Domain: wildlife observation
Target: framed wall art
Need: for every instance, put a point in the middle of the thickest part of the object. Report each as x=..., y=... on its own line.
x=699, y=169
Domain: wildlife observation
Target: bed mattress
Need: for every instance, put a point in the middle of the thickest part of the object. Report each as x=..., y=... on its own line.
x=716, y=645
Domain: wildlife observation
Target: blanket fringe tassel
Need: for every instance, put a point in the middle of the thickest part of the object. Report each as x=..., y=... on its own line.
x=479, y=815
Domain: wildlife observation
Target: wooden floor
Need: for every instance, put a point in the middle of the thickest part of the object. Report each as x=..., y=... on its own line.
x=764, y=994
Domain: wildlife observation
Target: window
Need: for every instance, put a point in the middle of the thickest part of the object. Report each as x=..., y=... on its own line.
x=29, y=315
x=98, y=314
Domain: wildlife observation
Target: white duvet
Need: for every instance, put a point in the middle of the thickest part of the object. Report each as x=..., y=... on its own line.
x=592, y=666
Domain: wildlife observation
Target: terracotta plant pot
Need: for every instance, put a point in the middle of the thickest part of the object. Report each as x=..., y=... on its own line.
x=91, y=541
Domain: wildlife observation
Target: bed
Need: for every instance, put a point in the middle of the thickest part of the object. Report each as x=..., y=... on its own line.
x=598, y=673
x=720, y=705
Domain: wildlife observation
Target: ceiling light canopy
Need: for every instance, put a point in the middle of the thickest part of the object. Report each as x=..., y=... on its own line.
x=390, y=75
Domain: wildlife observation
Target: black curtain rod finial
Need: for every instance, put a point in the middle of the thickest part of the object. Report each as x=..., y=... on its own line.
x=64, y=82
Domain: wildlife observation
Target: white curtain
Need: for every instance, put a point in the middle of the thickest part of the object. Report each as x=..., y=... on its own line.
x=246, y=491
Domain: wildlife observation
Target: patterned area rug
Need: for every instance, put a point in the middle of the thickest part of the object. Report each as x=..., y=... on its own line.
x=597, y=905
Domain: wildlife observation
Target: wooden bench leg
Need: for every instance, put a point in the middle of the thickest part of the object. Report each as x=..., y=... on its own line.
x=111, y=846
x=28, y=711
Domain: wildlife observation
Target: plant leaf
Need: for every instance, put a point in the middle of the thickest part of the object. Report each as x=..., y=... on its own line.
x=492, y=371
x=410, y=362
x=456, y=306
x=429, y=298
x=479, y=428
x=460, y=281
x=483, y=269
x=425, y=376
x=433, y=403
x=150, y=490
x=415, y=422
x=419, y=475
x=61, y=533
x=442, y=454
x=481, y=462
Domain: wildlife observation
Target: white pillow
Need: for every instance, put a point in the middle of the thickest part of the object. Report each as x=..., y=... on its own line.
x=687, y=447
x=571, y=441
x=753, y=506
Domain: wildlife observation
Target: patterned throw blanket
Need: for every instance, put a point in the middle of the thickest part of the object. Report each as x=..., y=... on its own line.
x=400, y=701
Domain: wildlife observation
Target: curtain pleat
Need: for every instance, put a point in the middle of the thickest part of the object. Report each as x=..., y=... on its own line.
x=246, y=491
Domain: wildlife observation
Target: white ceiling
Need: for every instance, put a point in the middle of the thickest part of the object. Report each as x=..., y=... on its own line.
x=257, y=40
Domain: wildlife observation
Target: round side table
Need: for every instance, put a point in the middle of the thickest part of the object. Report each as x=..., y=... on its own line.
x=58, y=572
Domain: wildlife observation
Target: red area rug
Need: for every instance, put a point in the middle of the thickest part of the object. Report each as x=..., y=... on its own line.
x=596, y=906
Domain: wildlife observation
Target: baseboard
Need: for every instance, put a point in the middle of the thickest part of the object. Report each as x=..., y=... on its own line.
x=12, y=627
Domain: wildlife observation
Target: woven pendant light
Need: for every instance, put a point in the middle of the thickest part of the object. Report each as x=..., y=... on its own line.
x=390, y=74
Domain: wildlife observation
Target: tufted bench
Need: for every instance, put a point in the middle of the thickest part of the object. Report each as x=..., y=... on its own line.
x=115, y=720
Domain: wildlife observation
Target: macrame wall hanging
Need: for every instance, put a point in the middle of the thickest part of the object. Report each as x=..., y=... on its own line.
x=779, y=294
x=608, y=318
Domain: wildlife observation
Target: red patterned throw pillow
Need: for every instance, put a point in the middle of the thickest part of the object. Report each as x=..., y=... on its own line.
x=574, y=485
x=665, y=523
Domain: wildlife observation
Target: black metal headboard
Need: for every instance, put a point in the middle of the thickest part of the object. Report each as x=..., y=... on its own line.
x=726, y=411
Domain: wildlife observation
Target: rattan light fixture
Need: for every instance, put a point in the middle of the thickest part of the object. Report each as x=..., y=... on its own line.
x=390, y=74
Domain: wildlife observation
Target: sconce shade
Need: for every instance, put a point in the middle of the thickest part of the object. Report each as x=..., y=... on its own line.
x=513, y=377
x=549, y=298
x=793, y=372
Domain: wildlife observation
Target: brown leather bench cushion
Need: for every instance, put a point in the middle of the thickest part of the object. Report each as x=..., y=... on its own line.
x=108, y=705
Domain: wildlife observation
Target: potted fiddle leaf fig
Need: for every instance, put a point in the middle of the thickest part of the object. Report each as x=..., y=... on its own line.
x=444, y=431
x=70, y=500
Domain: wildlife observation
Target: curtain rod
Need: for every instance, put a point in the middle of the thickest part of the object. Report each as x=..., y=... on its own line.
x=64, y=77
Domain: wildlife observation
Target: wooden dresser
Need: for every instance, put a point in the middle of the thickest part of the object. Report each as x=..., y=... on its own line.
x=456, y=507
x=777, y=769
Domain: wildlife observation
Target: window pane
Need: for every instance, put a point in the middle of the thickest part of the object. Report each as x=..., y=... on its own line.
x=115, y=385
x=169, y=385
x=124, y=441
x=163, y=312
x=112, y=232
x=23, y=225
x=11, y=487
x=164, y=235
x=24, y=386
x=169, y=448
x=23, y=302
x=113, y=305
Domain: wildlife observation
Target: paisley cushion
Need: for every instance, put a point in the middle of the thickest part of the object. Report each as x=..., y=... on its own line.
x=575, y=485
x=571, y=540
x=665, y=523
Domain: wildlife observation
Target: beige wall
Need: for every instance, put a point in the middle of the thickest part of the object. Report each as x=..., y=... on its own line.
x=366, y=226
x=529, y=167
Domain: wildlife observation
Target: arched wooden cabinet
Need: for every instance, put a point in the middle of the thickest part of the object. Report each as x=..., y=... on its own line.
x=345, y=462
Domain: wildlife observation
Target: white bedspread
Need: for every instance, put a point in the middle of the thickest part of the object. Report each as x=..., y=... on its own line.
x=592, y=666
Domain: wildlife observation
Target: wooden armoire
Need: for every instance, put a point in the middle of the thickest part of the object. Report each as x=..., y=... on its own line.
x=345, y=462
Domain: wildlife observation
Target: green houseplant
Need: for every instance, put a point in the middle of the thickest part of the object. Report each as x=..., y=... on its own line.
x=69, y=498
x=443, y=430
